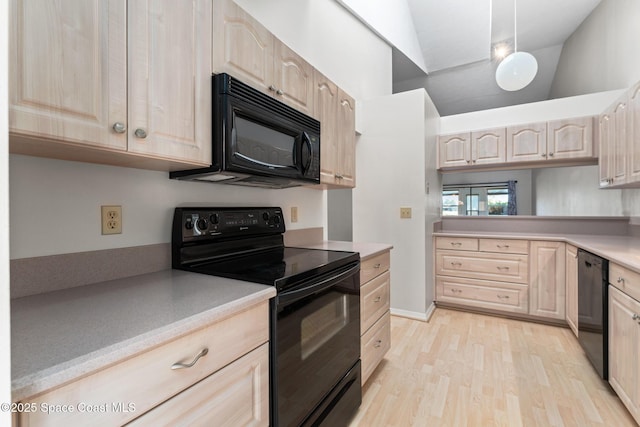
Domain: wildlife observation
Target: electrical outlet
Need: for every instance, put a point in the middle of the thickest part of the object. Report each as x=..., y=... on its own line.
x=111, y=219
x=294, y=214
x=405, y=213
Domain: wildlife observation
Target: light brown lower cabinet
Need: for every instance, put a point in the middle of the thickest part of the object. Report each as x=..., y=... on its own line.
x=375, y=327
x=624, y=348
x=547, y=284
x=125, y=391
x=571, y=305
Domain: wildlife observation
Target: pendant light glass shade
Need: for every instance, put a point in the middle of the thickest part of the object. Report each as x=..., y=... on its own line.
x=516, y=71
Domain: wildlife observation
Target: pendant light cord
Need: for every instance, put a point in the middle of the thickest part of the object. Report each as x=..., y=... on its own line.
x=515, y=26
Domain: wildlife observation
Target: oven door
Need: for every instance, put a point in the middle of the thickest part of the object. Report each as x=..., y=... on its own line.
x=315, y=343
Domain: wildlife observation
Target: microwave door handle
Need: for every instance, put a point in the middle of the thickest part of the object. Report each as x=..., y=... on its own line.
x=307, y=141
x=258, y=162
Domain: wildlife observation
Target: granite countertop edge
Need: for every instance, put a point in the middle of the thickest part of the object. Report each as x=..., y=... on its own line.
x=63, y=373
x=622, y=250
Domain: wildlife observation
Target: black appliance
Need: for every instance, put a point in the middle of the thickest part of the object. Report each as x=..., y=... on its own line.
x=314, y=319
x=593, y=279
x=258, y=141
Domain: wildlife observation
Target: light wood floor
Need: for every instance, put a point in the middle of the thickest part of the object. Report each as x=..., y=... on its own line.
x=464, y=369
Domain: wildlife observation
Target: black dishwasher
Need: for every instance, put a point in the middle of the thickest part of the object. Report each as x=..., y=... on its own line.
x=593, y=278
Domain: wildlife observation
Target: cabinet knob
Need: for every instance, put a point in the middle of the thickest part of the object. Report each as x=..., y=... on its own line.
x=119, y=127
x=543, y=155
x=468, y=161
x=550, y=154
x=338, y=176
x=279, y=92
x=140, y=133
x=377, y=344
x=376, y=265
x=378, y=299
x=272, y=88
x=635, y=316
x=620, y=280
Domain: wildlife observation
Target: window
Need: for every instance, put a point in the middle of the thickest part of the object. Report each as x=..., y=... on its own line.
x=450, y=203
x=498, y=201
x=473, y=204
x=486, y=199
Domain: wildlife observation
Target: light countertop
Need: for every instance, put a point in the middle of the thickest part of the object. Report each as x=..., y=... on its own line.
x=623, y=250
x=367, y=250
x=61, y=336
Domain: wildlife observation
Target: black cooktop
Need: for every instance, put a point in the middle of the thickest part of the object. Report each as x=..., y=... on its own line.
x=281, y=267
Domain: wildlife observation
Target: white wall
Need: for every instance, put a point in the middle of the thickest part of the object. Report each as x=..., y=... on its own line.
x=392, y=20
x=332, y=40
x=55, y=205
x=574, y=191
x=602, y=54
x=5, y=329
x=391, y=174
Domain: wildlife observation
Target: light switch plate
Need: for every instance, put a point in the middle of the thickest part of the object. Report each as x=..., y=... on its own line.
x=294, y=214
x=111, y=219
x=405, y=213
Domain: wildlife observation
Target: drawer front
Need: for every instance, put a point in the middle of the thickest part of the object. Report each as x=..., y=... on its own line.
x=479, y=293
x=624, y=279
x=237, y=395
x=374, y=267
x=374, y=345
x=147, y=380
x=506, y=246
x=374, y=300
x=499, y=267
x=457, y=243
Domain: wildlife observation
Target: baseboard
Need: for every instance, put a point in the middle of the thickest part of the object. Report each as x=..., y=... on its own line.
x=430, y=310
x=410, y=314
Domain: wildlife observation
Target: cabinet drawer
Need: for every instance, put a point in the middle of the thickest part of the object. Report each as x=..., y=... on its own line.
x=374, y=345
x=480, y=293
x=374, y=300
x=374, y=267
x=147, y=379
x=500, y=267
x=237, y=395
x=506, y=246
x=624, y=279
x=457, y=243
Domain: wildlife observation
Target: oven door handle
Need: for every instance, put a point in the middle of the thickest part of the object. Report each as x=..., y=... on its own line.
x=287, y=298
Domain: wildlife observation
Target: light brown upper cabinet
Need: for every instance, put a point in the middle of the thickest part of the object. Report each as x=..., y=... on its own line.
x=245, y=49
x=605, y=130
x=527, y=143
x=484, y=147
x=336, y=112
x=122, y=77
x=619, y=143
x=570, y=138
x=633, y=135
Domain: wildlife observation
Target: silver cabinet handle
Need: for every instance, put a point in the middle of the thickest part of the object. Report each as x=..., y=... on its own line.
x=550, y=154
x=456, y=291
x=180, y=365
x=503, y=246
x=543, y=155
x=620, y=280
x=140, y=133
x=377, y=344
x=377, y=299
x=272, y=88
x=456, y=263
x=119, y=127
x=503, y=296
x=502, y=268
x=338, y=176
x=456, y=244
x=468, y=161
x=635, y=316
x=377, y=265
x=279, y=92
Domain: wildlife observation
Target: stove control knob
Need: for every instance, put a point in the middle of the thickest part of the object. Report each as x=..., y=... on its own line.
x=203, y=224
x=189, y=224
x=214, y=218
x=265, y=216
x=276, y=219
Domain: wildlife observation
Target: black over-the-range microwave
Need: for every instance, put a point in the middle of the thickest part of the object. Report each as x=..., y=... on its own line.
x=258, y=141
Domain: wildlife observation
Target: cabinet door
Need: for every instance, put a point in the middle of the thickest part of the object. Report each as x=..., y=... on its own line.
x=572, y=288
x=527, y=143
x=293, y=78
x=488, y=146
x=619, y=143
x=624, y=347
x=68, y=76
x=633, y=136
x=454, y=150
x=242, y=47
x=237, y=395
x=606, y=149
x=570, y=138
x=170, y=80
x=326, y=100
x=547, y=280
x=346, y=125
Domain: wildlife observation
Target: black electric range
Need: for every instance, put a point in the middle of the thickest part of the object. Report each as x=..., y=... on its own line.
x=314, y=318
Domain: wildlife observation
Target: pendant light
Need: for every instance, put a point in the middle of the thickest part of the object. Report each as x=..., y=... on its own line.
x=517, y=70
